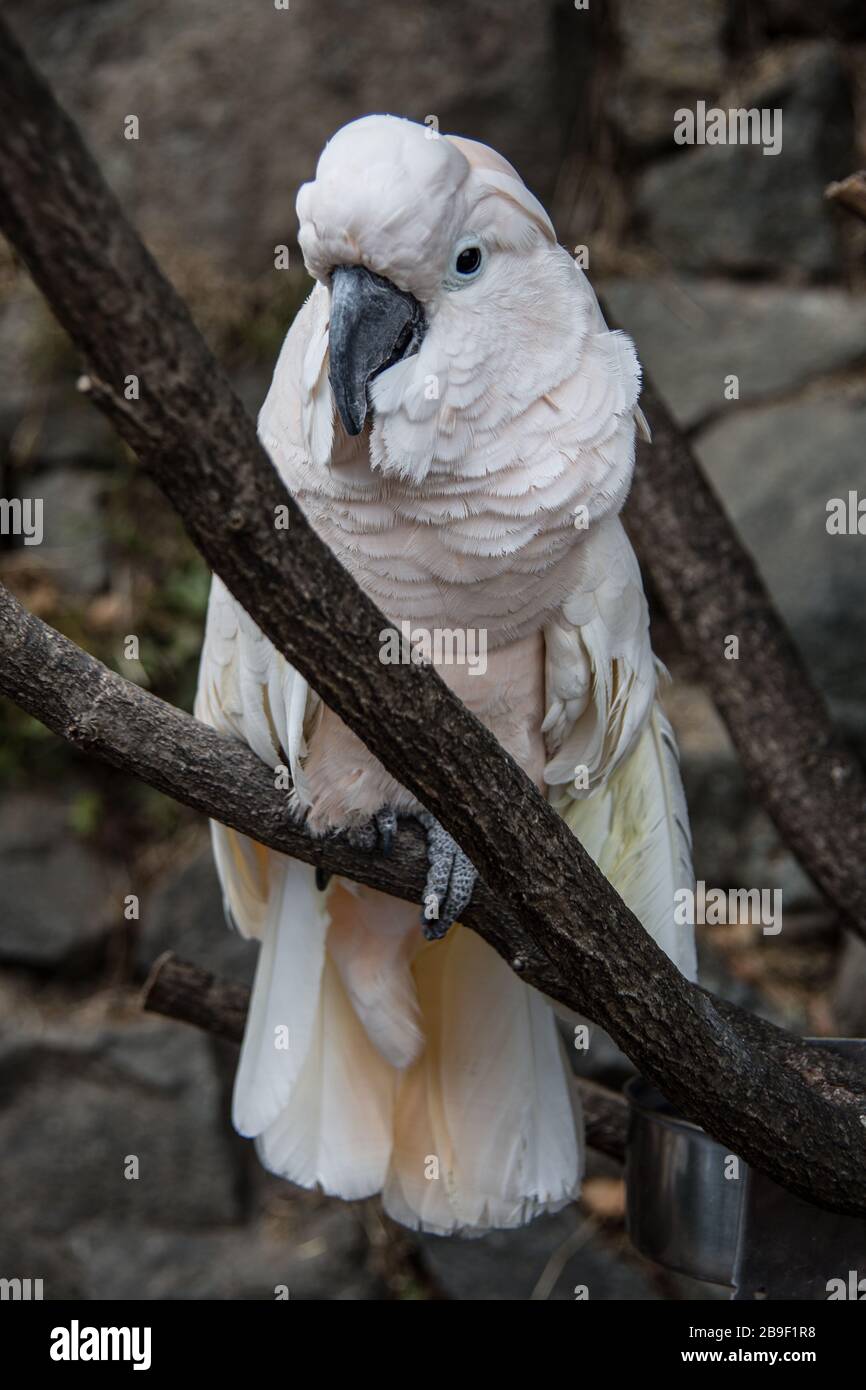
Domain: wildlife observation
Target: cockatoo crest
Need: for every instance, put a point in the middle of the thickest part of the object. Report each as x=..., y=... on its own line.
x=418, y=210
x=397, y=197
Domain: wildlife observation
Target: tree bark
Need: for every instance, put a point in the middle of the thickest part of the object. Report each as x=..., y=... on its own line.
x=769, y=1097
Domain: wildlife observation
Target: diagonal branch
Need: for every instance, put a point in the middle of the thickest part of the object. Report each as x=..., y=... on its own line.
x=111, y=718
x=786, y=1109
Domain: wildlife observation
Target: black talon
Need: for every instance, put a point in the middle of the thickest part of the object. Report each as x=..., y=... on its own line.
x=375, y=834
x=386, y=823
x=323, y=878
x=433, y=930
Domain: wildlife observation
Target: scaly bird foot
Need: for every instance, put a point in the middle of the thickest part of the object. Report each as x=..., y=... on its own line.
x=377, y=833
x=450, y=880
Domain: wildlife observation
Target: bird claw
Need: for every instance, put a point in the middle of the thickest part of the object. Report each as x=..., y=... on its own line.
x=375, y=834
x=386, y=823
x=450, y=875
x=450, y=880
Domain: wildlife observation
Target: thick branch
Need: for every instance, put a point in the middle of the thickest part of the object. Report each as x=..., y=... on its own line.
x=790, y=1112
x=178, y=989
x=111, y=718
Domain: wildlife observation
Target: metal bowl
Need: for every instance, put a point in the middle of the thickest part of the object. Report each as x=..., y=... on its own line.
x=681, y=1210
x=693, y=1209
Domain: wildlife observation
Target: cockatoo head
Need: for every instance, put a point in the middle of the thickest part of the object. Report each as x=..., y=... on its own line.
x=451, y=304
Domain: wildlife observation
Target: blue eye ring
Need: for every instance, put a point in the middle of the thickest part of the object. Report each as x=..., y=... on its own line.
x=468, y=261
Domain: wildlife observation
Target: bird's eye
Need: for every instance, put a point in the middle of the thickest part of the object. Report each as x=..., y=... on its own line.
x=468, y=260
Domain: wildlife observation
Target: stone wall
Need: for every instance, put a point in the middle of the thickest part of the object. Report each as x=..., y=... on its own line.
x=722, y=262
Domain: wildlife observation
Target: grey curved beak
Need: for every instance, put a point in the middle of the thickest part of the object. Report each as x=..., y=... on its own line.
x=373, y=325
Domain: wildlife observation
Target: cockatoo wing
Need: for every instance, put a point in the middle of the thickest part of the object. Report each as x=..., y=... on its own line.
x=639, y=823
x=247, y=688
x=613, y=770
x=249, y=691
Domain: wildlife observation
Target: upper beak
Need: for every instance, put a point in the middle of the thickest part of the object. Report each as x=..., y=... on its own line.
x=373, y=325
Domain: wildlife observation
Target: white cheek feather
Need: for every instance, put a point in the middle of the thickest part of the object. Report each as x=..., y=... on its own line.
x=318, y=400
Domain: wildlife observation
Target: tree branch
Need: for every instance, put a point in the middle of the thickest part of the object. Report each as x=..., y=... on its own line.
x=784, y=1108
x=112, y=719
x=179, y=989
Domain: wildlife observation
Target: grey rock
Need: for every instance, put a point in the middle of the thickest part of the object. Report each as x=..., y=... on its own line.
x=732, y=208
x=321, y=1254
x=73, y=548
x=670, y=56
x=76, y=1105
x=775, y=469
x=691, y=334
x=844, y=19
x=642, y=113
x=509, y=1264
x=235, y=102
x=185, y=915
x=848, y=997
x=735, y=844
x=60, y=427
x=672, y=44
x=25, y=1255
x=20, y=314
x=59, y=897
x=324, y=1257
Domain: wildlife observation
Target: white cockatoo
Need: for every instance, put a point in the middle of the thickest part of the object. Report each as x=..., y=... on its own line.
x=457, y=423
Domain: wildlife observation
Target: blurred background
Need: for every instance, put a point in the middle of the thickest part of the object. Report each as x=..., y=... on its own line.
x=718, y=260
